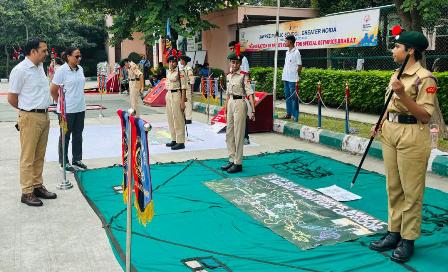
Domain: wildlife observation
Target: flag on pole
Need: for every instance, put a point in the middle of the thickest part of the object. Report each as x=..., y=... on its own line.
x=124, y=118
x=167, y=39
x=141, y=171
x=63, y=118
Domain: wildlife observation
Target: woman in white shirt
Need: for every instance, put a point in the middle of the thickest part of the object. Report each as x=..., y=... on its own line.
x=70, y=76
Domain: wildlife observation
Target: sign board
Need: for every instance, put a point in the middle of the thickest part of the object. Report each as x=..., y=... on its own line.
x=345, y=30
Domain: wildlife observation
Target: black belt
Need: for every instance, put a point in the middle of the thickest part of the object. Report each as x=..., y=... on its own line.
x=174, y=91
x=36, y=110
x=401, y=118
x=237, y=97
x=134, y=79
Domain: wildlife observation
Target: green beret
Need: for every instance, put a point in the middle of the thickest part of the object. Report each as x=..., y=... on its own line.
x=172, y=58
x=185, y=58
x=413, y=39
x=233, y=56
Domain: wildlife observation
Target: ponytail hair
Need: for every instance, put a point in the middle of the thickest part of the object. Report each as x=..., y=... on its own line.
x=68, y=52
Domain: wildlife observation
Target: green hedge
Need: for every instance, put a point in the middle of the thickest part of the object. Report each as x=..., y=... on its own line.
x=367, y=88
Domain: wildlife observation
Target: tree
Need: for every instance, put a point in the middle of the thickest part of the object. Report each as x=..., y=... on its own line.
x=283, y=3
x=54, y=21
x=149, y=16
x=329, y=6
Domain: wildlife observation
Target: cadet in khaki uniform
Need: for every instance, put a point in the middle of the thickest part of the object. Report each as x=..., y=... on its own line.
x=136, y=85
x=238, y=87
x=176, y=85
x=184, y=60
x=406, y=146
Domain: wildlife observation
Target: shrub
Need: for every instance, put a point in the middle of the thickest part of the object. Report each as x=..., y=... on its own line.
x=367, y=88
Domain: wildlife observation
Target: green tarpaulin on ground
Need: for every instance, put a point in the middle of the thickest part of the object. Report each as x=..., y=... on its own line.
x=192, y=220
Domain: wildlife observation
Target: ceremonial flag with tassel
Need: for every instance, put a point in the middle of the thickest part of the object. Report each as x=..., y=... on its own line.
x=63, y=118
x=141, y=171
x=124, y=118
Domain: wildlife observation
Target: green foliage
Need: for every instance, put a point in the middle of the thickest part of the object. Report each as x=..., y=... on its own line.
x=430, y=11
x=329, y=6
x=367, y=88
x=55, y=21
x=149, y=16
x=134, y=57
x=217, y=72
x=283, y=3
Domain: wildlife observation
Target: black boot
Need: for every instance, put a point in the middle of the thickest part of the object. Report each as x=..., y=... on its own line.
x=388, y=242
x=173, y=143
x=235, y=168
x=227, y=166
x=403, y=252
x=178, y=146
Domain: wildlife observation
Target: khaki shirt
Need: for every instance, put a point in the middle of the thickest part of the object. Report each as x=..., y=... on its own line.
x=172, y=82
x=189, y=72
x=420, y=85
x=134, y=73
x=235, y=84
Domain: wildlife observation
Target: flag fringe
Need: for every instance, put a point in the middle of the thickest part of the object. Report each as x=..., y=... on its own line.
x=63, y=125
x=125, y=193
x=145, y=216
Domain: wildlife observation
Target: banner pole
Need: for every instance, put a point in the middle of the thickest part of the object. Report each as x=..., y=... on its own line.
x=65, y=183
x=319, y=105
x=347, y=95
x=274, y=87
x=129, y=200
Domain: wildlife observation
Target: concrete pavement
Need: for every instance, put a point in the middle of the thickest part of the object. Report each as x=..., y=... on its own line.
x=65, y=234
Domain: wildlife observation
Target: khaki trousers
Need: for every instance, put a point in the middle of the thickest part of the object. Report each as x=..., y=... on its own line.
x=134, y=96
x=406, y=150
x=176, y=119
x=188, y=104
x=34, y=129
x=236, y=124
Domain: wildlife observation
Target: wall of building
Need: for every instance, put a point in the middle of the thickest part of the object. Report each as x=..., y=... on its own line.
x=136, y=45
x=215, y=41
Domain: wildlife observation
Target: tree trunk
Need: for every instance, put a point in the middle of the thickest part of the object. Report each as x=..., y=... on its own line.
x=404, y=16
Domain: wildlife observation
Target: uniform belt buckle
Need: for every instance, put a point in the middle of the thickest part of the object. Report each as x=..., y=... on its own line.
x=392, y=117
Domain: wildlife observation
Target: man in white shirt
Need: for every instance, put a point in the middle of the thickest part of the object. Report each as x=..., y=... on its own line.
x=244, y=70
x=290, y=77
x=29, y=91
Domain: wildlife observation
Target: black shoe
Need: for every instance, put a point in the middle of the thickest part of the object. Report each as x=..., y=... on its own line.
x=68, y=168
x=31, y=200
x=246, y=141
x=187, y=122
x=235, y=168
x=178, y=146
x=403, y=252
x=42, y=192
x=227, y=166
x=388, y=242
x=173, y=143
x=79, y=164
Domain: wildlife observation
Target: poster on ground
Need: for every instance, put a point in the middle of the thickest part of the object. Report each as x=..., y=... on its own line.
x=302, y=216
x=354, y=29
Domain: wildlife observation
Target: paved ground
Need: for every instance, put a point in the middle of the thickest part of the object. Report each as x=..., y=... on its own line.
x=65, y=234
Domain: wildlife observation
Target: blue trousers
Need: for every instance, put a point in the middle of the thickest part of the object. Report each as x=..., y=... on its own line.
x=292, y=103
